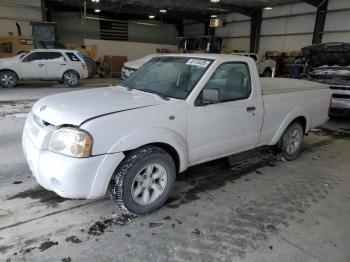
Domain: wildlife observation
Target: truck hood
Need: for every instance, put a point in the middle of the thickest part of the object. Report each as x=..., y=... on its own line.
x=75, y=108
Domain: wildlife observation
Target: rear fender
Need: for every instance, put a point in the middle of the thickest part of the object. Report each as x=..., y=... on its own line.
x=298, y=112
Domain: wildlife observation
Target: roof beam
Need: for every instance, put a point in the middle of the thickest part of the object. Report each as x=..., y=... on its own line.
x=315, y=3
x=193, y=6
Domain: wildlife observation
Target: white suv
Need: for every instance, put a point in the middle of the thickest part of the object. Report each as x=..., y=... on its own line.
x=65, y=66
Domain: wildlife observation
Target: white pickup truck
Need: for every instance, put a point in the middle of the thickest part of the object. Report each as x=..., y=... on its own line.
x=176, y=111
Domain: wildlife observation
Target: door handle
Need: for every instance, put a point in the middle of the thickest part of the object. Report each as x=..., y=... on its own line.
x=251, y=108
x=41, y=65
x=63, y=64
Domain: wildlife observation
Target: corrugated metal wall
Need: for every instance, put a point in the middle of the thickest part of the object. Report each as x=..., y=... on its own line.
x=20, y=11
x=288, y=27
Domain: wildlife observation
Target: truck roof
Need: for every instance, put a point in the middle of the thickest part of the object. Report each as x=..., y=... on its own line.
x=221, y=57
x=53, y=50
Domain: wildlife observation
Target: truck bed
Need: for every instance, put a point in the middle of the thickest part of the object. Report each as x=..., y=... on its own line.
x=285, y=85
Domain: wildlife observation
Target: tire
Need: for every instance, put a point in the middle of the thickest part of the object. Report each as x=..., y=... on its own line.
x=70, y=78
x=267, y=73
x=291, y=142
x=134, y=182
x=8, y=79
x=91, y=66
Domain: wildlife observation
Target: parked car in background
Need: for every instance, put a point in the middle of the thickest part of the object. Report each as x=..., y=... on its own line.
x=176, y=111
x=131, y=66
x=265, y=66
x=329, y=63
x=65, y=66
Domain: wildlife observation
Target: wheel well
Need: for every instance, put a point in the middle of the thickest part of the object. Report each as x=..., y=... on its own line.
x=302, y=121
x=268, y=69
x=69, y=71
x=2, y=70
x=172, y=152
x=169, y=149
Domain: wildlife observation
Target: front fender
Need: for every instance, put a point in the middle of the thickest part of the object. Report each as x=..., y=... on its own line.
x=154, y=135
x=298, y=112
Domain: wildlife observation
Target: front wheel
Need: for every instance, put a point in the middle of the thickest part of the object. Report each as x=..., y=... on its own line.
x=267, y=73
x=70, y=79
x=8, y=79
x=144, y=180
x=291, y=142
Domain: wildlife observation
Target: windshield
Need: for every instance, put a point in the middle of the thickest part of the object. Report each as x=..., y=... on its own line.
x=168, y=76
x=21, y=54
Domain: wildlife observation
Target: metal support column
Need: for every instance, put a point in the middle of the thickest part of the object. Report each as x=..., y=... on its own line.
x=320, y=22
x=255, y=28
x=43, y=10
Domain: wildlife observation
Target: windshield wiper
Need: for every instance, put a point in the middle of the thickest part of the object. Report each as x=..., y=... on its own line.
x=155, y=92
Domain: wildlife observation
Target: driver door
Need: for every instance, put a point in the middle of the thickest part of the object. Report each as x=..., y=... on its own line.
x=228, y=126
x=33, y=66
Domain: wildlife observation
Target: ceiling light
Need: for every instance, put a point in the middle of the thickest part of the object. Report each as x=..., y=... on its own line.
x=268, y=8
x=151, y=17
x=163, y=11
x=95, y=1
x=214, y=1
x=97, y=10
x=214, y=16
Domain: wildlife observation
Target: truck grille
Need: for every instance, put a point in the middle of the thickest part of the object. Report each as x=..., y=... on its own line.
x=341, y=96
x=37, y=130
x=340, y=87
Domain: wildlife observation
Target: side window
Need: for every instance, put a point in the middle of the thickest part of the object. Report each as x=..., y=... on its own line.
x=54, y=56
x=29, y=58
x=232, y=80
x=34, y=57
x=73, y=57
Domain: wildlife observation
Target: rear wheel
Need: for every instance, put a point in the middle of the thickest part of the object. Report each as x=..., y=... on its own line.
x=70, y=78
x=267, y=73
x=291, y=141
x=144, y=180
x=8, y=79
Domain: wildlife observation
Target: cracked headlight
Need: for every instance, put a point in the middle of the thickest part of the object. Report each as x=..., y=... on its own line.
x=71, y=142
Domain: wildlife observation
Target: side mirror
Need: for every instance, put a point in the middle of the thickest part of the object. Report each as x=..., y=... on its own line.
x=210, y=96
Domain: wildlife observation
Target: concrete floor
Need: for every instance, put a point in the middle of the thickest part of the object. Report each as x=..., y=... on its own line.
x=248, y=207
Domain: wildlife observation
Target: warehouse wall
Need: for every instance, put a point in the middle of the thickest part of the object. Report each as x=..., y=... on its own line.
x=162, y=34
x=337, y=22
x=132, y=50
x=76, y=34
x=20, y=11
x=236, y=32
x=193, y=28
x=287, y=27
x=90, y=29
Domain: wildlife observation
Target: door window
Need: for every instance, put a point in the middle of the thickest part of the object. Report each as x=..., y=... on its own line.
x=43, y=56
x=35, y=57
x=54, y=57
x=232, y=80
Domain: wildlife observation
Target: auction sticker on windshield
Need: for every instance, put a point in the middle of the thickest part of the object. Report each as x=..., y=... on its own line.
x=198, y=62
